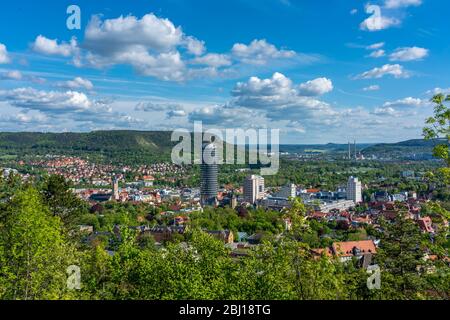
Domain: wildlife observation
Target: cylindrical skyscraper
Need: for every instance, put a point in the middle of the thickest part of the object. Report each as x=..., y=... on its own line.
x=209, y=172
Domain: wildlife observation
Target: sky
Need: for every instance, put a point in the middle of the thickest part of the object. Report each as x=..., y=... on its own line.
x=319, y=71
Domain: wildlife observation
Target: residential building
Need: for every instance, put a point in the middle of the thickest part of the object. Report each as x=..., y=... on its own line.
x=354, y=190
x=253, y=188
x=287, y=191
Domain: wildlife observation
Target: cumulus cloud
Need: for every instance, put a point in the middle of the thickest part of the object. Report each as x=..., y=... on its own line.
x=213, y=60
x=24, y=118
x=149, y=44
x=4, y=56
x=225, y=116
x=259, y=52
x=172, y=110
x=376, y=46
x=409, y=54
x=12, y=75
x=57, y=106
x=52, y=101
x=195, y=46
x=394, y=4
x=386, y=111
x=377, y=54
x=377, y=21
x=279, y=99
x=77, y=83
x=316, y=87
x=407, y=103
x=436, y=91
x=47, y=46
x=372, y=88
x=395, y=70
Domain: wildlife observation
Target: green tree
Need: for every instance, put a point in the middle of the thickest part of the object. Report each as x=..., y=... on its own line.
x=401, y=259
x=34, y=250
x=438, y=127
x=62, y=202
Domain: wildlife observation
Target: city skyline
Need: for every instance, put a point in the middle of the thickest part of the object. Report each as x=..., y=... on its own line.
x=162, y=65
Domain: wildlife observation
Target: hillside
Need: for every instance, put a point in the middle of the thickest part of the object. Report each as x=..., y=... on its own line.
x=123, y=146
x=132, y=147
x=411, y=149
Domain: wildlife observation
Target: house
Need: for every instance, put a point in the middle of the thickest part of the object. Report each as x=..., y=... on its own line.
x=225, y=235
x=148, y=181
x=345, y=251
x=316, y=253
x=426, y=225
x=162, y=234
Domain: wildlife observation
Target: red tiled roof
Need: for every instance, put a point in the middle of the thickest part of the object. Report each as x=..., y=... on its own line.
x=345, y=249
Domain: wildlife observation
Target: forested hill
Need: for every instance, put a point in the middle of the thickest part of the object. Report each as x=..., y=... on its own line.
x=123, y=146
x=417, y=148
x=136, y=147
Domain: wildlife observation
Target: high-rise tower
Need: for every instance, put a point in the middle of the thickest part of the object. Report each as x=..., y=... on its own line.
x=253, y=188
x=209, y=171
x=115, y=183
x=354, y=190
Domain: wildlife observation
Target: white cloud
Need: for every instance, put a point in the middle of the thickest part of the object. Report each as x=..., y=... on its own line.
x=59, y=106
x=394, y=4
x=407, y=103
x=372, y=88
x=4, y=56
x=377, y=54
x=77, y=83
x=225, y=116
x=436, y=91
x=12, y=75
x=172, y=110
x=316, y=87
x=376, y=46
x=52, y=101
x=395, y=70
x=386, y=111
x=47, y=46
x=259, y=52
x=149, y=44
x=213, y=59
x=409, y=54
x=280, y=99
x=195, y=46
x=377, y=21
x=353, y=12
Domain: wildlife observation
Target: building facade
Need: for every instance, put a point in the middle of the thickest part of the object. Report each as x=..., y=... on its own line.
x=209, y=172
x=253, y=188
x=354, y=190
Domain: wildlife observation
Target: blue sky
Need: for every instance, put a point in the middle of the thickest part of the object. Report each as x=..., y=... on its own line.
x=320, y=71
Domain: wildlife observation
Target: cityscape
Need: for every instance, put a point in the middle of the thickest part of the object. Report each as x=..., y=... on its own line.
x=108, y=194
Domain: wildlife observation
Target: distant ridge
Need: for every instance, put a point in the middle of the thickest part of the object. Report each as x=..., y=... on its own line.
x=128, y=146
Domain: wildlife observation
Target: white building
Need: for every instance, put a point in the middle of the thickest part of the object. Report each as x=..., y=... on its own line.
x=287, y=191
x=354, y=190
x=253, y=188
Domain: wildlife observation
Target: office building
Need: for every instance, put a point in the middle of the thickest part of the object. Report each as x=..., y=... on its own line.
x=253, y=188
x=209, y=172
x=354, y=190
